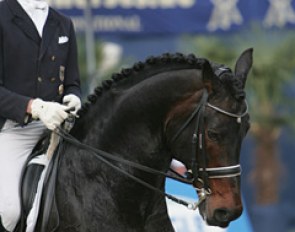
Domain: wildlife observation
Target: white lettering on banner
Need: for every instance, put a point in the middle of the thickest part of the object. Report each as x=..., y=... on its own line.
x=224, y=15
x=126, y=4
x=110, y=23
x=280, y=13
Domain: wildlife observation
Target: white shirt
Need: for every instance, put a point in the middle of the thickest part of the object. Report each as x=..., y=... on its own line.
x=38, y=12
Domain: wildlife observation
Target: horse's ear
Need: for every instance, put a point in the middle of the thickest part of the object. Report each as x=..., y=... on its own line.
x=210, y=81
x=243, y=65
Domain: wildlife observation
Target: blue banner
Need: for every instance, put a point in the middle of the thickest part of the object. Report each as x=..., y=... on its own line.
x=178, y=16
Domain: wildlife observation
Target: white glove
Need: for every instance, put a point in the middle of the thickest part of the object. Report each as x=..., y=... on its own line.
x=72, y=101
x=52, y=114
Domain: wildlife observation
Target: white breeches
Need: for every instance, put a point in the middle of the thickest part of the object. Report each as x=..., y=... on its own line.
x=16, y=144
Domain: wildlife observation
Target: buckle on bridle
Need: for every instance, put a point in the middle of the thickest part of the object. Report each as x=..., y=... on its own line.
x=202, y=195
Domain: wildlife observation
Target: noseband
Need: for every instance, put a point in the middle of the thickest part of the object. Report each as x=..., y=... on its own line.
x=200, y=173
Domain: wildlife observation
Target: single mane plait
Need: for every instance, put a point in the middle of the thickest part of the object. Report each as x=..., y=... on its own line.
x=142, y=70
x=233, y=83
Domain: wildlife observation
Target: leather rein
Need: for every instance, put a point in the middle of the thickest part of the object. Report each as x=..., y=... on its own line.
x=196, y=175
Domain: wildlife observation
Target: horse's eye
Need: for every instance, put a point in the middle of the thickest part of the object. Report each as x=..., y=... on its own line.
x=213, y=135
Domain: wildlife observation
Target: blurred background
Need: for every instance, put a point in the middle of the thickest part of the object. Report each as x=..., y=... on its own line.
x=116, y=33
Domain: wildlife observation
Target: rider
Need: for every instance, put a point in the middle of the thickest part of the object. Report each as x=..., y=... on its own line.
x=39, y=79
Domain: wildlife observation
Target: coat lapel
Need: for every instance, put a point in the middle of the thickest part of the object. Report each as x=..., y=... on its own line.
x=23, y=21
x=49, y=32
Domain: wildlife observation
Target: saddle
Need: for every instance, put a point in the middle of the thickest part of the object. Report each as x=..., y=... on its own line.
x=29, y=185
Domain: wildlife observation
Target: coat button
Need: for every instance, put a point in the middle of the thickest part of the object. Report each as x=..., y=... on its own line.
x=53, y=79
x=53, y=58
x=39, y=79
x=61, y=89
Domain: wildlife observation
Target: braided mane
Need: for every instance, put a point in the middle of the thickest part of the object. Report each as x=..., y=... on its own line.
x=152, y=66
x=234, y=84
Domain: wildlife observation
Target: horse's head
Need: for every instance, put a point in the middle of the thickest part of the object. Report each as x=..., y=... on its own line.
x=207, y=134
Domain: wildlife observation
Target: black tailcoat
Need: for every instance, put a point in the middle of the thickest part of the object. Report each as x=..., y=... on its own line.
x=31, y=66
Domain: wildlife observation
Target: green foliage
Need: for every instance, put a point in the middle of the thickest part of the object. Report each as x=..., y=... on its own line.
x=85, y=79
x=90, y=81
x=211, y=47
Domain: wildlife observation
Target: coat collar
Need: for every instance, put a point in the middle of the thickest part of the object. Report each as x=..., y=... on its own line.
x=24, y=22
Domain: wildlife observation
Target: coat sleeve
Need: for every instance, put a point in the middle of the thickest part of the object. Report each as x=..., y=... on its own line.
x=72, y=76
x=12, y=106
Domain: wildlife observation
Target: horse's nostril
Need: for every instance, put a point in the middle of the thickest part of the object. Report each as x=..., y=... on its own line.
x=222, y=215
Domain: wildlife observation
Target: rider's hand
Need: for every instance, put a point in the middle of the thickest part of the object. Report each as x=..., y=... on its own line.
x=72, y=101
x=52, y=114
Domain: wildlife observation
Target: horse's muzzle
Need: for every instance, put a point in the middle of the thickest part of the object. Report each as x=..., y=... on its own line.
x=223, y=216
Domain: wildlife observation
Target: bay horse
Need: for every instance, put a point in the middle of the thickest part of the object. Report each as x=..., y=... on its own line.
x=172, y=106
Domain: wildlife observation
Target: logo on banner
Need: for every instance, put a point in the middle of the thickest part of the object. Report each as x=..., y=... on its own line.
x=224, y=15
x=280, y=13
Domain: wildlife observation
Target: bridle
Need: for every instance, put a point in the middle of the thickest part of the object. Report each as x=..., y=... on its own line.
x=199, y=174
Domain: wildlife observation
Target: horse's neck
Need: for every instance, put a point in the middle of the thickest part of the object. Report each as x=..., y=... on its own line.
x=136, y=115
x=128, y=123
